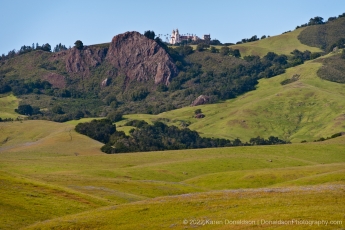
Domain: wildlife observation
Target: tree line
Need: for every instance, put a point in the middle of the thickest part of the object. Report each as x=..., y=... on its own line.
x=28, y=48
x=157, y=137
x=319, y=21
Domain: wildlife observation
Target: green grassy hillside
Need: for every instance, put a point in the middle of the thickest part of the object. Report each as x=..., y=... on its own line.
x=281, y=44
x=54, y=182
x=307, y=109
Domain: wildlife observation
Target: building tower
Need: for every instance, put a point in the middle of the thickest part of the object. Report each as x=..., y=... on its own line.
x=175, y=37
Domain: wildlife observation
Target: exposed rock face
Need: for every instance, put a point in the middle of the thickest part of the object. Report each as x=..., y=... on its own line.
x=202, y=99
x=81, y=60
x=141, y=59
x=104, y=83
x=58, y=81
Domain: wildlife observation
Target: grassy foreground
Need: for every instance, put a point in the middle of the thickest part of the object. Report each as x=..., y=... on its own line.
x=47, y=186
x=238, y=209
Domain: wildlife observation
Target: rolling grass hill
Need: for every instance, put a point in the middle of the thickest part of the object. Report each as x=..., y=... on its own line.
x=45, y=137
x=307, y=109
x=217, y=210
x=161, y=189
x=281, y=44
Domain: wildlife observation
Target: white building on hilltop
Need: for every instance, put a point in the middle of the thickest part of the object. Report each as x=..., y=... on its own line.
x=177, y=38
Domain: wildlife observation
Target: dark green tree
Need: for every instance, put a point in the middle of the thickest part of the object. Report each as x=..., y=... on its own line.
x=100, y=130
x=24, y=110
x=57, y=109
x=47, y=47
x=150, y=34
x=236, y=53
x=315, y=21
x=201, y=47
x=224, y=51
x=115, y=116
x=79, y=45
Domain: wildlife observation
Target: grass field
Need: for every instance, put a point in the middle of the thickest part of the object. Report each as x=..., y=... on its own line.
x=281, y=44
x=47, y=180
x=43, y=137
x=218, y=210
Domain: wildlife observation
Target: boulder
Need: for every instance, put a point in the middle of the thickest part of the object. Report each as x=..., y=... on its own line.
x=104, y=83
x=202, y=99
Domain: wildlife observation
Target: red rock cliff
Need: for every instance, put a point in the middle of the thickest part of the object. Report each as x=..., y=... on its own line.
x=141, y=59
x=81, y=60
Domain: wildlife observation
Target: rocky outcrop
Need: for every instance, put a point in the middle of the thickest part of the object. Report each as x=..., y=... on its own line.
x=80, y=60
x=141, y=59
x=202, y=99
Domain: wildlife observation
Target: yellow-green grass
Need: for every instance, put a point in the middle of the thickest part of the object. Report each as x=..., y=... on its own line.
x=127, y=178
x=24, y=201
x=37, y=136
x=8, y=103
x=219, y=210
x=83, y=120
x=281, y=44
x=125, y=129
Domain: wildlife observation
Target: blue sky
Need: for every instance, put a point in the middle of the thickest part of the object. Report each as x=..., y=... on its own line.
x=33, y=21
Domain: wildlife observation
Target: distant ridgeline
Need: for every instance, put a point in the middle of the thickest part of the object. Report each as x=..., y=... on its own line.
x=157, y=137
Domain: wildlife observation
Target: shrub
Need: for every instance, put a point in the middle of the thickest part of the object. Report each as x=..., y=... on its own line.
x=115, y=116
